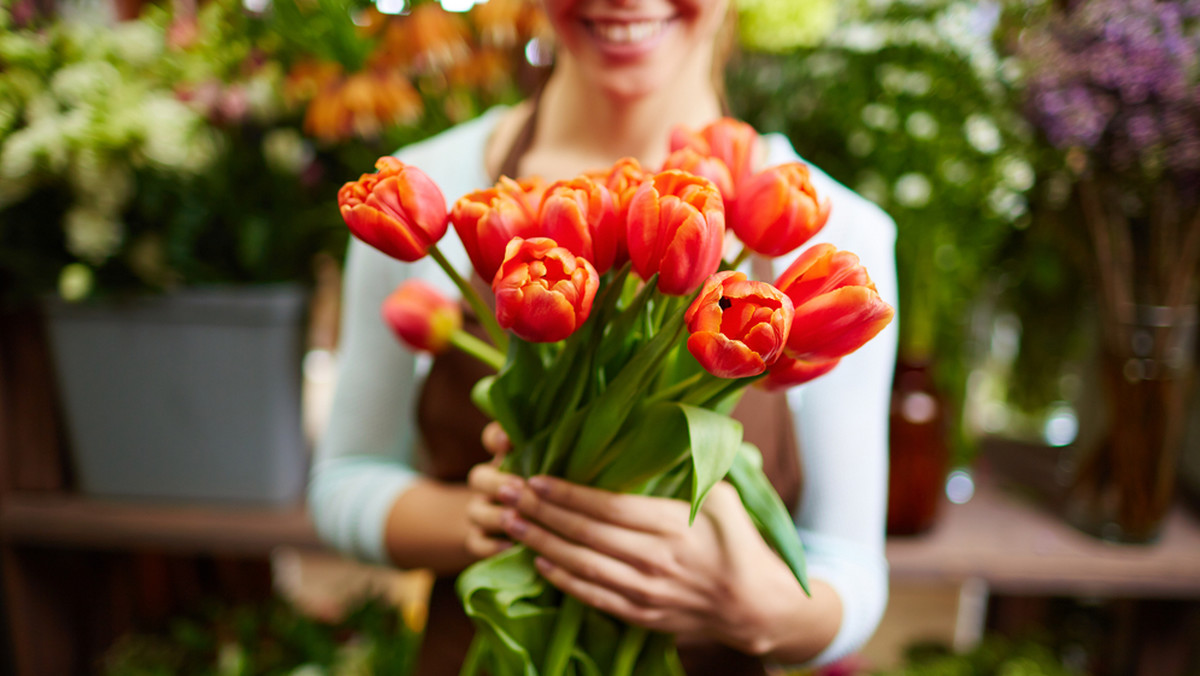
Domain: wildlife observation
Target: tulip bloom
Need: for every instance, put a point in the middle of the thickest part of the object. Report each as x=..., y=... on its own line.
x=777, y=210
x=579, y=215
x=543, y=291
x=788, y=372
x=676, y=228
x=738, y=326
x=837, y=307
x=729, y=140
x=421, y=317
x=487, y=219
x=687, y=159
x=398, y=210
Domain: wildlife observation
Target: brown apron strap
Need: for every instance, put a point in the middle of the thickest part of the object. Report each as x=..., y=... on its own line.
x=511, y=166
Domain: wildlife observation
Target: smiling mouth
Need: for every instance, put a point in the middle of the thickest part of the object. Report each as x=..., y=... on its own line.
x=626, y=32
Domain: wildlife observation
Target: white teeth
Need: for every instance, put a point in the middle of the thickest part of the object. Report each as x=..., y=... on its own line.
x=628, y=33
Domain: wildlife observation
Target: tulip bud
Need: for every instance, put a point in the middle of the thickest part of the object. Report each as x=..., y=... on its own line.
x=731, y=141
x=738, y=326
x=543, y=291
x=787, y=372
x=712, y=168
x=579, y=215
x=398, y=210
x=421, y=317
x=486, y=220
x=837, y=307
x=777, y=210
x=676, y=228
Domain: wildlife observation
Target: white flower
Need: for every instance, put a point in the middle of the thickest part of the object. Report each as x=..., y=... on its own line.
x=102, y=183
x=137, y=42
x=1016, y=173
x=982, y=133
x=913, y=190
x=1007, y=204
x=91, y=235
x=921, y=125
x=83, y=82
x=862, y=37
x=859, y=143
x=75, y=282
x=956, y=171
x=286, y=151
x=879, y=116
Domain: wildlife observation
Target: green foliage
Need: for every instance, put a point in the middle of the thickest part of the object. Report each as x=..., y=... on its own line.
x=908, y=104
x=270, y=639
x=995, y=656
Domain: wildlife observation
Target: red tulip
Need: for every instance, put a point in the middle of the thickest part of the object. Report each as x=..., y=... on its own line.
x=486, y=220
x=729, y=140
x=543, y=291
x=622, y=180
x=738, y=326
x=676, y=228
x=579, y=215
x=837, y=307
x=398, y=210
x=421, y=316
x=687, y=159
x=777, y=210
x=787, y=372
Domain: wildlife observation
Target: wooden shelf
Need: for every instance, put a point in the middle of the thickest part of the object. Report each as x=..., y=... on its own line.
x=1017, y=547
x=68, y=520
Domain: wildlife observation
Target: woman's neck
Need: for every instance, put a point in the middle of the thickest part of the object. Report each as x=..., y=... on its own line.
x=579, y=129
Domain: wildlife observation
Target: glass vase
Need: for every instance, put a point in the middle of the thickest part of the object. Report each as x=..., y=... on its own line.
x=1124, y=485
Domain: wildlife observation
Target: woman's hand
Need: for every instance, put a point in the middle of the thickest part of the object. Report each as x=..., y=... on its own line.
x=485, y=513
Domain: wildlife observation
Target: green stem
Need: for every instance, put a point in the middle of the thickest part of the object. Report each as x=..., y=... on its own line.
x=477, y=349
x=570, y=617
x=627, y=652
x=474, y=660
x=678, y=388
x=482, y=311
x=741, y=258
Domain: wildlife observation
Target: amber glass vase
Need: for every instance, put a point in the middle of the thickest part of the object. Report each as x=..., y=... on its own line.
x=919, y=450
x=1124, y=485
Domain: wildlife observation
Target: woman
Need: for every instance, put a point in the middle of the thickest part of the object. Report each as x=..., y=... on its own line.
x=626, y=73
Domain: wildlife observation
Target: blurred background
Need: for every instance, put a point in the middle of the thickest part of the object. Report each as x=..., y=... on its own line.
x=168, y=227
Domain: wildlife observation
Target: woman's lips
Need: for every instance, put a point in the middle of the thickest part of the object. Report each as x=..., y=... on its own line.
x=626, y=38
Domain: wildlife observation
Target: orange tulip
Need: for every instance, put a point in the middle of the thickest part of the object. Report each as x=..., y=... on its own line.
x=777, y=210
x=676, y=228
x=687, y=159
x=837, y=307
x=579, y=215
x=398, y=210
x=738, y=326
x=729, y=140
x=543, y=291
x=421, y=316
x=788, y=372
x=486, y=220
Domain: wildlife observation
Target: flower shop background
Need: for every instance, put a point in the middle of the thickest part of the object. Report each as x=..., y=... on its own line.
x=165, y=147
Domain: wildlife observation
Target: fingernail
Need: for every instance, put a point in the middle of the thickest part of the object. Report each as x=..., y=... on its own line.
x=515, y=525
x=508, y=493
x=543, y=565
x=540, y=485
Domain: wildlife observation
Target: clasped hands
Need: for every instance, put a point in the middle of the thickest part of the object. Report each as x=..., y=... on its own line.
x=636, y=558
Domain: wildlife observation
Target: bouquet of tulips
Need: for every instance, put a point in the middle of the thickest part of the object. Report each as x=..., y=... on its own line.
x=621, y=339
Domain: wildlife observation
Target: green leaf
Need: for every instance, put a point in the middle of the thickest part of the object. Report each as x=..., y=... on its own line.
x=767, y=510
x=715, y=440
x=654, y=443
x=513, y=609
x=481, y=396
x=509, y=392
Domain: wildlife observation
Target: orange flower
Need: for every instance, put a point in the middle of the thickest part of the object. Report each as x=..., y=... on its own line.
x=738, y=326
x=421, y=316
x=777, y=210
x=837, y=307
x=676, y=228
x=788, y=372
x=729, y=140
x=398, y=210
x=579, y=215
x=543, y=291
x=687, y=159
x=486, y=220
x=363, y=104
x=437, y=38
x=498, y=22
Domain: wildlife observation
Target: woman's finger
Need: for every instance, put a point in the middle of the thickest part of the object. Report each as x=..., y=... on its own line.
x=495, y=439
x=637, y=512
x=490, y=481
x=603, y=598
x=482, y=546
x=486, y=515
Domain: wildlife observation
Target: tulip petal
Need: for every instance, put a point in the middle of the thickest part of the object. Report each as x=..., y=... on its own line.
x=723, y=357
x=835, y=324
x=787, y=372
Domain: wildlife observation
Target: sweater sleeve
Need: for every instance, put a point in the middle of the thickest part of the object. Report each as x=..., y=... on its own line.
x=842, y=427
